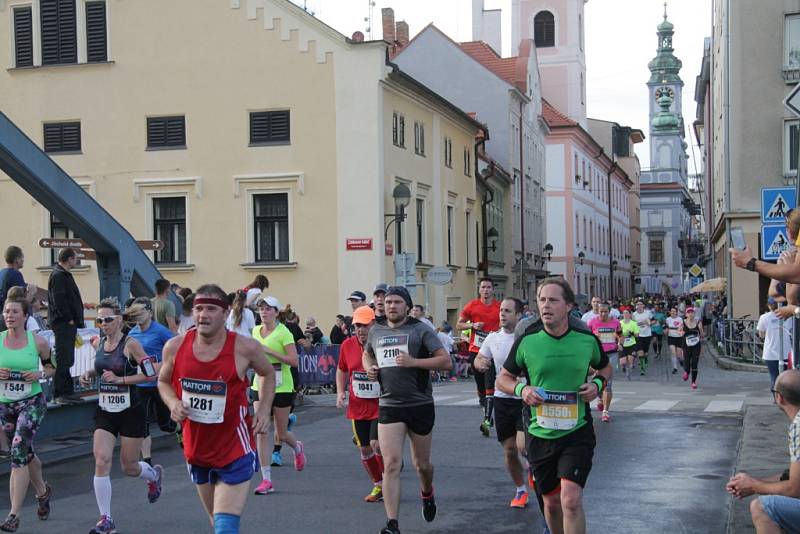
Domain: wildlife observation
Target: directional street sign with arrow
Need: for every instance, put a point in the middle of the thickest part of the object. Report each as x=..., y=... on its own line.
x=50, y=242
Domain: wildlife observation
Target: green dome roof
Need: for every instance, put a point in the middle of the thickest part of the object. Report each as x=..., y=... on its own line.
x=665, y=26
x=665, y=66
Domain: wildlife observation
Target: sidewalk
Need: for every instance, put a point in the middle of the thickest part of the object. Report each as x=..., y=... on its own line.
x=763, y=451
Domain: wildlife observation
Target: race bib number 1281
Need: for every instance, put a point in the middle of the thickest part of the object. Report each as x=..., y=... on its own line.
x=205, y=399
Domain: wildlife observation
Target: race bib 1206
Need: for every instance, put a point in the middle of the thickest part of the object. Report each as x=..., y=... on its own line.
x=205, y=399
x=114, y=398
x=389, y=347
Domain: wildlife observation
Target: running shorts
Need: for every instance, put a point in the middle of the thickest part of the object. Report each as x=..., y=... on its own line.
x=281, y=400
x=418, y=419
x=507, y=417
x=129, y=423
x=365, y=431
x=568, y=457
x=643, y=344
x=629, y=351
x=236, y=472
x=21, y=421
x=675, y=342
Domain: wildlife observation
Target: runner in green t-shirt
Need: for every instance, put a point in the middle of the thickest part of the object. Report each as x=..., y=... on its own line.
x=630, y=331
x=557, y=359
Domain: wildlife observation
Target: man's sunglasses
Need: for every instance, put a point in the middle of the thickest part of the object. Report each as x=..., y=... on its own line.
x=106, y=320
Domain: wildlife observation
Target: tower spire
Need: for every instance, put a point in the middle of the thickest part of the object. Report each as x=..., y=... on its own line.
x=665, y=11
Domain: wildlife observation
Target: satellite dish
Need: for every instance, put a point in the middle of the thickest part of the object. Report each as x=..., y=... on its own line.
x=358, y=37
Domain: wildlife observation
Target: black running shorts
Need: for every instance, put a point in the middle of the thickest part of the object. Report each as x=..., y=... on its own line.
x=365, y=431
x=129, y=423
x=643, y=344
x=418, y=419
x=507, y=417
x=568, y=457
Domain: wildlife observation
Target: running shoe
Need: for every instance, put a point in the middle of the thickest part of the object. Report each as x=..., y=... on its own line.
x=375, y=495
x=674, y=371
x=429, y=508
x=531, y=481
x=694, y=386
x=685, y=376
x=264, y=488
x=154, y=487
x=485, y=428
x=642, y=373
x=300, y=457
x=43, y=503
x=104, y=526
x=600, y=406
x=391, y=527
x=276, y=461
x=605, y=417
x=292, y=421
x=11, y=524
x=520, y=500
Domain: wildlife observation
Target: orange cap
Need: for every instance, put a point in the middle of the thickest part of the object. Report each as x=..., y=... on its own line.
x=363, y=315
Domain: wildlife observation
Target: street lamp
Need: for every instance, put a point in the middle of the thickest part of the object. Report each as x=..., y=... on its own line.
x=548, y=249
x=493, y=235
x=581, y=256
x=402, y=196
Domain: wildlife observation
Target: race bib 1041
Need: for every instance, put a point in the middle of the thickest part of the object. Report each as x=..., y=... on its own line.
x=15, y=387
x=114, y=398
x=364, y=388
x=205, y=399
x=559, y=410
x=388, y=348
x=480, y=337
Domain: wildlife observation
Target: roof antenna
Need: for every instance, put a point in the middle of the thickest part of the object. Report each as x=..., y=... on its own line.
x=665, y=11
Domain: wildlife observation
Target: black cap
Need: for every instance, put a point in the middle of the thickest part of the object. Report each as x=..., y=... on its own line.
x=381, y=288
x=357, y=295
x=400, y=291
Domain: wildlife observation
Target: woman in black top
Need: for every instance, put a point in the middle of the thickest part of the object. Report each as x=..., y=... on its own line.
x=692, y=338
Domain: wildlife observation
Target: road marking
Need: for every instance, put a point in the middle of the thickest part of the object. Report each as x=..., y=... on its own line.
x=724, y=406
x=733, y=395
x=676, y=394
x=657, y=405
x=468, y=402
x=438, y=398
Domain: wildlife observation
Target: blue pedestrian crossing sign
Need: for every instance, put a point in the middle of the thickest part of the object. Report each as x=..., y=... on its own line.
x=775, y=202
x=774, y=240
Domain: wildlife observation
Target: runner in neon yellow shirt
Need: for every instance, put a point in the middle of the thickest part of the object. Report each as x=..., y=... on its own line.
x=630, y=331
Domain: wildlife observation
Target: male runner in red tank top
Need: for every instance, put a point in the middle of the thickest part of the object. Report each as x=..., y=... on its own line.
x=203, y=381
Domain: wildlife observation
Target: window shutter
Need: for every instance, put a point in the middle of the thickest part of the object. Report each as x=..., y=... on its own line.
x=62, y=137
x=96, y=37
x=23, y=37
x=59, y=32
x=269, y=127
x=165, y=132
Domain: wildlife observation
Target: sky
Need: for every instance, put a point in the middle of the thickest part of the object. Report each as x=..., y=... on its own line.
x=620, y=40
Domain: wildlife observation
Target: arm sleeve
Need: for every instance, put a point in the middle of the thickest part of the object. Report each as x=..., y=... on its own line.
x=342, y=365
x=368, y=344
x=486, y=348
x=287, y=338
x=170, y=312
x=512, y=364
x=762, y=323
x=430, y=340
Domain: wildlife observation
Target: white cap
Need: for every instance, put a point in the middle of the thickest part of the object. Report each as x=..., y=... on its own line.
x=269, y=300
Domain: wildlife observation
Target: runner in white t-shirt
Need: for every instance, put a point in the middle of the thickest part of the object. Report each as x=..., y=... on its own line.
x=507, y=408
x=594, y=312
x=769, y=328
x=643, y=318
x=675, y=338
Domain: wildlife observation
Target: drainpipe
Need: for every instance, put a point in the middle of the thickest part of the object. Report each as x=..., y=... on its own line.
x=610, y=234
x=522, y=262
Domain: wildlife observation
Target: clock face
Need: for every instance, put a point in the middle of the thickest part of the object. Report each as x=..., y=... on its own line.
x=664, y=91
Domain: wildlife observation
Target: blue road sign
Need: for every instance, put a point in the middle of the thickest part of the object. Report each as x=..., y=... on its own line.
x=775, y=202
x=774, y=240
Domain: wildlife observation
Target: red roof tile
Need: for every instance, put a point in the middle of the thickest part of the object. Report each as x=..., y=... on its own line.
x=554, y=117
x=511, y=69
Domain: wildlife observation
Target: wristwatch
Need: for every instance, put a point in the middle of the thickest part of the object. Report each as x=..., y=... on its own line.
x=751, y=265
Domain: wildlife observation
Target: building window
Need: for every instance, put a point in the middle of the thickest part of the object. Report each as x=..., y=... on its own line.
x=62, y=137
x=656, y=250
x=59, y=230
x=402, y=132
x=271, y=227
x=420, y=230
x=450, y=235
x=467, y=227
x=582, y=89
x=544, y=29
x=166, y=132
x=419, y=138
x=580, y=32
x=269, y=127
x=169, y=226
x=791, y=144
x=96, y=34
x=791, y=41
x=467, y=162
x=59, y=32
x=585, y=234
x=395, y=129
x=575, y=164
x=448, y=152
x=577, y=233
x=23, y=36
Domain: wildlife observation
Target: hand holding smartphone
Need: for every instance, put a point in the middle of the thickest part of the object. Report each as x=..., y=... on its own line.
x=737, y=238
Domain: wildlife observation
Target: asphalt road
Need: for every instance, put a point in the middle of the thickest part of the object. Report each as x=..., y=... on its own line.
x=652, y=473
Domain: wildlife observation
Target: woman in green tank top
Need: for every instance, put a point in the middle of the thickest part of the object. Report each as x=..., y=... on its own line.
x=23, y=405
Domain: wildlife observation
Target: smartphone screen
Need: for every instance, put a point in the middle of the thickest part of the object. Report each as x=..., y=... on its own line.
x=737, y=238
x=148, y=368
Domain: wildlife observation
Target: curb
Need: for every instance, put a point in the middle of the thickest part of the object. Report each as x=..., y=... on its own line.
x=723, y=362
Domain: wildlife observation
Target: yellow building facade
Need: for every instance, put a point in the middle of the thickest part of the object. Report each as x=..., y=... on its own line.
x=248, y=136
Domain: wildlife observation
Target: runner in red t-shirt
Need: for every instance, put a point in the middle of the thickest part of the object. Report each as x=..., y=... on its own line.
x=481, y=316
x=362, y=408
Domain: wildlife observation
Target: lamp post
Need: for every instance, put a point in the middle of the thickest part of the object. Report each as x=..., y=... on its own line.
x=402, y=196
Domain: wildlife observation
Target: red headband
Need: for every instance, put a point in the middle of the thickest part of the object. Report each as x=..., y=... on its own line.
x=211, y=300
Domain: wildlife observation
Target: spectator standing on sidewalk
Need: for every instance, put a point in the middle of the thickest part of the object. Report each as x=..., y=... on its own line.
x=777, y=509
x=11, y=276
x=163, y=309
x=769, y=327
x=65, y=309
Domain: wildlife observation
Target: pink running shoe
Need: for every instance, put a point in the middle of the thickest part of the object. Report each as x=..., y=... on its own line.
x=264, y=488
x=300, y=457
x=694, y=386
x=685, y=376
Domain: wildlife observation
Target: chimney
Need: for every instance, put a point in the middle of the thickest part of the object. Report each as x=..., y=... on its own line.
x=387, y=14
x=402, y=33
